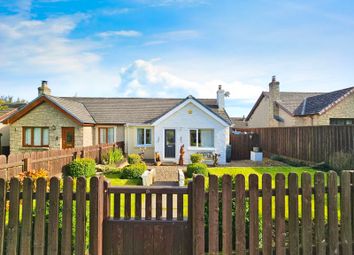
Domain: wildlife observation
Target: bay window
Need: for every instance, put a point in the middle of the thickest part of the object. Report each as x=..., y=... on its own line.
x=203, y=138
x=144, y=136
x=35, y=136
x=106, y=135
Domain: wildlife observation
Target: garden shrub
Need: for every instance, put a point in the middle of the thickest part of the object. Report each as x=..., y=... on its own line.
x=34, y=175
x=134, y=159
x=133, y=171
x=197, y=168
x=113, y=156
x=81, y=167
x=197, y=158
x=342, y=161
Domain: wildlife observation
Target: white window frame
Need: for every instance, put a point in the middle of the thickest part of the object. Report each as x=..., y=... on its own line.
x=197, y=140
x=144, y=144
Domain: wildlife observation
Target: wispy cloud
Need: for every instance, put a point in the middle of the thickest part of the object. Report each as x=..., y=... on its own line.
x=113, y=11
x=170, y=36
x=120, y=33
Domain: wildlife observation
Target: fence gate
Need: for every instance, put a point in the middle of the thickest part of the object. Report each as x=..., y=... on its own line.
x=148, y=220
x=241, y=145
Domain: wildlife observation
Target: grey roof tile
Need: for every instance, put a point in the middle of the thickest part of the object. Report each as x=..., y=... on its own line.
x=128, y=110
x=317, y=104
x=74, y=108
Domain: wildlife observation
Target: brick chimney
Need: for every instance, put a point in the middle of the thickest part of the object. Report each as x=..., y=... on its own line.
x=220, y=98
x=44, y=89
x=274, y=96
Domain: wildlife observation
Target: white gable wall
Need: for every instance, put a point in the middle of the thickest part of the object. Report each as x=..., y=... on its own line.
x=191, y=117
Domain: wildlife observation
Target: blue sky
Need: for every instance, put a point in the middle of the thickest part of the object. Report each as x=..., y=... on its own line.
x=173, y=48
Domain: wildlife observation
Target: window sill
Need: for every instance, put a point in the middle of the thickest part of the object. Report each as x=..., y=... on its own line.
x=35, y=148
x=144, y=146
x=201, y=148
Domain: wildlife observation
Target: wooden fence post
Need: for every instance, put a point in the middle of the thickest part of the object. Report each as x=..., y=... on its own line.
x=39, y=221
x=96, y=215
x=198, y=215
x=267, y=214
x=12, y=232
x=319, y=214
x=53, y=218
x=26, y=229
x=240, y=215
x=332, y=200
x=226, y=214
x=100, y=154
x=80, y=216
x=2, y=214
x=213, y=214
x=67, y=216
x=253, y=212
x=280, y=214
x=345, y=209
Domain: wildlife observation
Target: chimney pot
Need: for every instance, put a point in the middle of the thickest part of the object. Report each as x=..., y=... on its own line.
x=44, y=89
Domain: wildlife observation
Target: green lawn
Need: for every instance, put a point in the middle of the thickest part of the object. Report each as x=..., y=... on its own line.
x=220, y=171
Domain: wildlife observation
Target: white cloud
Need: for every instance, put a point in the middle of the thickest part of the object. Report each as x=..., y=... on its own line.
x=32, y=50
x=146, y=78
x=122, y=33
x=143, y=78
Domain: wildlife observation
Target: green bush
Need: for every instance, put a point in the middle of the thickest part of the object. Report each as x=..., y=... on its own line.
x=342, y=161
x=133, y=171
x=197, y=168
x=197, y=158
x=134, y=159
x=113, y=156
x=81, y=167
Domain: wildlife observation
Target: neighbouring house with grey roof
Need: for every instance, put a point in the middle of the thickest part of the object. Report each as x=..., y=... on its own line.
x=282, y=109
x=9, y=109
x=152, y=125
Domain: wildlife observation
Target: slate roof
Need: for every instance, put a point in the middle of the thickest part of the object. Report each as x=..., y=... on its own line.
x=11, y=108
x=320, y=103
x=74, y=108
x=238, y=122
x=125, y=110
x=305, y=103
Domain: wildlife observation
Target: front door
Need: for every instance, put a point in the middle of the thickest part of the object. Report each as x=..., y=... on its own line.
x=170, y=143
x=68, y=137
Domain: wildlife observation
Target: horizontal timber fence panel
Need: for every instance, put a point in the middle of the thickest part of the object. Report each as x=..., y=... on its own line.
x=53, y=161
x=293, y=214
x=313, y=143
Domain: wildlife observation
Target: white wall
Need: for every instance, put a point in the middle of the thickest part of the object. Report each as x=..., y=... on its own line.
x=191, y=117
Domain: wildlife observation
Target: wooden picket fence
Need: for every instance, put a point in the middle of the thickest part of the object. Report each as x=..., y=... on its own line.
x=284, y=215
x=52, y=160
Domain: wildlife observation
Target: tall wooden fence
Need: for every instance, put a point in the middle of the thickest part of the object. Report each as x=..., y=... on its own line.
x=242, y=144
x=315, y=144
x=53, y=161
x=285, y=215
